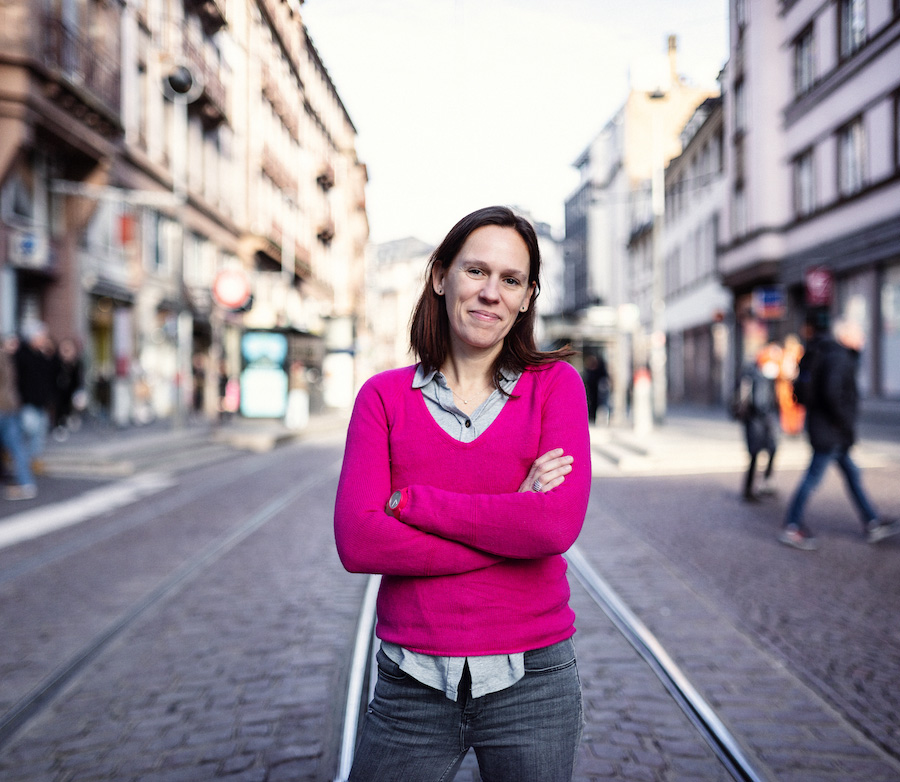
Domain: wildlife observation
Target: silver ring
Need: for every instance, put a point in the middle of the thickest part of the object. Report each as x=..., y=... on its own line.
x=537, y=485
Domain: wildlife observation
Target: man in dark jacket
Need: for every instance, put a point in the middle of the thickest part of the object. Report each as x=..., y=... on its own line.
x=37, y=388
x=828, y=378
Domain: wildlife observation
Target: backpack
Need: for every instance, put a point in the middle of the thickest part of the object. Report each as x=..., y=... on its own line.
x=807, y=382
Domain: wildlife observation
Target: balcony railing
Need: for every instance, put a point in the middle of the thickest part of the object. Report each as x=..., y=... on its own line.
x=212, y=101
x=211, y=12
x=77, y=61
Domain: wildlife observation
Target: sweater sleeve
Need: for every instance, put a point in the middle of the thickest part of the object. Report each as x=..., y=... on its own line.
x=368, y=539
x=522, y=525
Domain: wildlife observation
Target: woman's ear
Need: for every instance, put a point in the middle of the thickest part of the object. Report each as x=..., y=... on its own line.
x=437, y=279
x=529, y=298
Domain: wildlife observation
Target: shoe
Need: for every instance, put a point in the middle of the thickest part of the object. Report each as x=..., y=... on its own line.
x=879, y=530
x=767, y=488
x=26, y=491
x=798, y=538
x=751, y=499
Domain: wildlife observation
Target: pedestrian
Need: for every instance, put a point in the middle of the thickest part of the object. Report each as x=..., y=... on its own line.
x=758, y=411
x=37, y=388
x=465, y=478
x=826, y=386
x=596, y=386
x=69, y=376
x=23, y=486
x=792, y=414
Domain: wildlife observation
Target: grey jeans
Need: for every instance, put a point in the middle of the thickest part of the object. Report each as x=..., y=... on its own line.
x=529, y=732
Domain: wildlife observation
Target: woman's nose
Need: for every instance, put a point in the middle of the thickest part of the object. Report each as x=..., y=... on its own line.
x=490, y=291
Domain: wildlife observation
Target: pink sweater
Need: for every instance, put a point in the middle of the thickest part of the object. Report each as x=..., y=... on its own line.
x=473, y=566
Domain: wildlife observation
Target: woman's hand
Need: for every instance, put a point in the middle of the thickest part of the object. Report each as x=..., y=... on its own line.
x=548, y=471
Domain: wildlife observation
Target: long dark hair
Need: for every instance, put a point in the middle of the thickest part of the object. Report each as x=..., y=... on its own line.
x=430, y=327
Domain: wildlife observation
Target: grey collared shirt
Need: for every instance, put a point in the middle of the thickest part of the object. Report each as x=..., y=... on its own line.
x=492, y=672
x=442, y=405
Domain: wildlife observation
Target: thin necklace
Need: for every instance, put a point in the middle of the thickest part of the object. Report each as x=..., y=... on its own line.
x=466, y=401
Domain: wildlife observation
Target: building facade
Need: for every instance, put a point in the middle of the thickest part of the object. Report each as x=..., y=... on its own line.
x=147, y=149
x=608, y=290
x=813, y=165
x=697, y=306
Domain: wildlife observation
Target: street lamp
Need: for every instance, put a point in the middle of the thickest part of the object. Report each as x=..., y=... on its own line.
x=181, y=86
x=658, y=293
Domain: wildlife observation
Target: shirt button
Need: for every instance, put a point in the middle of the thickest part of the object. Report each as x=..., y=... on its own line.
x=468, y=424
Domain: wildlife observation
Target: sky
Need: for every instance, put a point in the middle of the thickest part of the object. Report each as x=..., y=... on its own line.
x=460, y=104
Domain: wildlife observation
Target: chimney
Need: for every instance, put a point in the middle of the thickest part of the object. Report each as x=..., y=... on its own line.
x=673, y=60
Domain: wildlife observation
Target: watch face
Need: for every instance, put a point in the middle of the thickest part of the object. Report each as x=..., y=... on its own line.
x=395, y=500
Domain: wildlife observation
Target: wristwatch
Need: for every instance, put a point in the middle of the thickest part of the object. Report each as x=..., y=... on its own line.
x=397, y=502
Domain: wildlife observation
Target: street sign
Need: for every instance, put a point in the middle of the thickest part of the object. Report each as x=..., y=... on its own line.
x=819, y=283
x=231, y=289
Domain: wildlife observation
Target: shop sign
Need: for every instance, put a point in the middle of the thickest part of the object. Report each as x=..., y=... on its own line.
x=819, y=283
x=264, y=381
x=769, y=302
x=28, y=249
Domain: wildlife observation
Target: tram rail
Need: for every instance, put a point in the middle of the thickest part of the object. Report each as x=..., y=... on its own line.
x=700, y=714
x=33, y=702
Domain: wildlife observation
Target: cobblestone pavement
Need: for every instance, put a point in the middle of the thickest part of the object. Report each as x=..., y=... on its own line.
x=239, y=670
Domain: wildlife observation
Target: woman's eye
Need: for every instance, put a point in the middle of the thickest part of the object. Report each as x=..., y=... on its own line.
x=474, y=272
x=512, y=281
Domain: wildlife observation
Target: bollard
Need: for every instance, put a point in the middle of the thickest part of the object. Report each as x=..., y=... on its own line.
x=641, y=403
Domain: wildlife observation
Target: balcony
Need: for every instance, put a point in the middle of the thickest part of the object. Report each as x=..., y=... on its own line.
x=325, y=179
x=211, y=13
x=212, y=102
x=275, y=96
x=89, y=76
x=326, y=231
x=275, y=169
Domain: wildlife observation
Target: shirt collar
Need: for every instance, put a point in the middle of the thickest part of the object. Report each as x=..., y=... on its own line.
x=423, y=378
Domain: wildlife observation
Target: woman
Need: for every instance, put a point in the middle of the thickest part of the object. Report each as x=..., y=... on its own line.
x=465, y=478
x=761, y=422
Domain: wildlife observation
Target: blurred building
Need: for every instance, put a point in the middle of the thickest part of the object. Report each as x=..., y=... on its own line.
x=697, y=305
x=175, y=174
x=812, y=215
x=613, y=200
x=395, y=279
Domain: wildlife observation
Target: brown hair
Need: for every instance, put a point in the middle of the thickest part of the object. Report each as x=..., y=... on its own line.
x=430, y=329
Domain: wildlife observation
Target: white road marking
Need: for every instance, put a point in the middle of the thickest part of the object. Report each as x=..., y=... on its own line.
x=49, y=518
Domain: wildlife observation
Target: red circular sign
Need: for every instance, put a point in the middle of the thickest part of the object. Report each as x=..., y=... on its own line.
x=231, y=289
x=819, y=286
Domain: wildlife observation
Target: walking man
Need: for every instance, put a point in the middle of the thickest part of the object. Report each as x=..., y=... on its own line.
x=826, y=386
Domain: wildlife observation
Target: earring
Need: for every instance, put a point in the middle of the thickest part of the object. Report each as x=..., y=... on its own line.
x=524, y=309
x=440, y=291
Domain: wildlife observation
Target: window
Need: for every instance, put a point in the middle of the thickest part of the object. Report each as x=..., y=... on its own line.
x=740, y=107
x=804, y=185
x=739, y=212
x=890, y=331
x=897, y=131
x=17, y=199
x=851, y=158
x=804, y=63
x=739, y=162
x=852, y=26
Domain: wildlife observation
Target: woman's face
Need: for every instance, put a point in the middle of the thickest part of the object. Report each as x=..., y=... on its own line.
x=485, y=288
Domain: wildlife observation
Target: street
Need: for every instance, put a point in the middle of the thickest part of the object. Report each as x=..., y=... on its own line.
x=192, y=621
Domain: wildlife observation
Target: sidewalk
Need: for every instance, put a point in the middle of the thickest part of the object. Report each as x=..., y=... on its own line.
x=704, y=440
x=691, y=440
x=104, y=450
